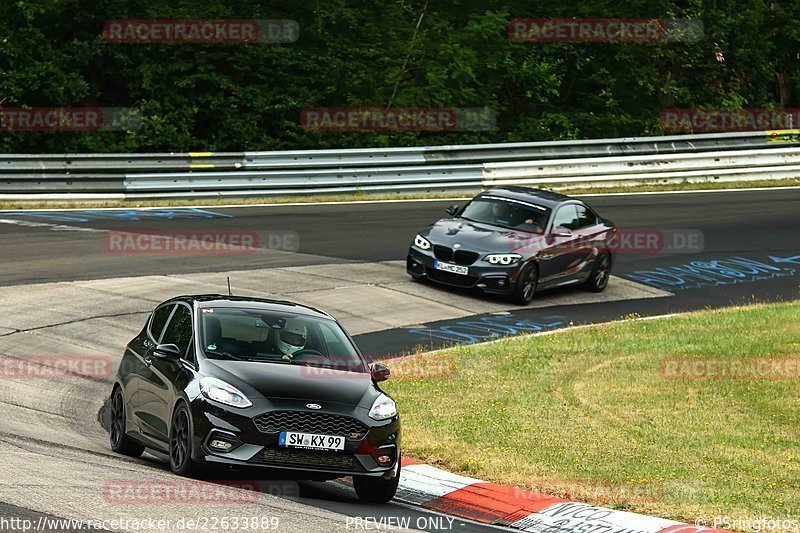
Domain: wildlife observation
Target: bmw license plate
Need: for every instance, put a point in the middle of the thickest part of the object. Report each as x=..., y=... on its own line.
x=447, y=267
x=310, y=441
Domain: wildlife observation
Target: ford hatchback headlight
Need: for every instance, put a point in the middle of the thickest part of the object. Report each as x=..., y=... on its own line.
x=382, y=408
x=219, y=391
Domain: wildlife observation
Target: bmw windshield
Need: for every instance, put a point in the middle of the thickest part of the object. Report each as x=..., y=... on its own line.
x=507, y=213
x=271, y=337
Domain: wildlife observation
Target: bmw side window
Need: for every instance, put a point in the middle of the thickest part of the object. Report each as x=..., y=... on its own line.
x=179, y=330
x=586, y=217
x=567, y=217
x=160, y=317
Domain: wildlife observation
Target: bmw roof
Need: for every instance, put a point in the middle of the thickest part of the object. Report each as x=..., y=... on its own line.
x=537, y=196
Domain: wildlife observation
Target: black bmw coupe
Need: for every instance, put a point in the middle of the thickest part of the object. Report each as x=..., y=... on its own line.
x=242, y=382
x=515, y=241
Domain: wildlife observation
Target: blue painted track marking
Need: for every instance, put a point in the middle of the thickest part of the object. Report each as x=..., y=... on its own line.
x=716, y=272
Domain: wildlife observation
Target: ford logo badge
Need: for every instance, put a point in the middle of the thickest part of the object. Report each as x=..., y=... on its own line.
x=313, y=406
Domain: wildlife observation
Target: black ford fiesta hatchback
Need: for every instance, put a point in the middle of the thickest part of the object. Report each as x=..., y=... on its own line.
x=242, y=382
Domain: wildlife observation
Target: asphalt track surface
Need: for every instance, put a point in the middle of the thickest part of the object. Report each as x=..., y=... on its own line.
x=54, y=454
x=756, y=225
x=748, y=222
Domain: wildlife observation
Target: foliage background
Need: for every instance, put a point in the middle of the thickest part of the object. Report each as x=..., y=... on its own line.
x=249, y=97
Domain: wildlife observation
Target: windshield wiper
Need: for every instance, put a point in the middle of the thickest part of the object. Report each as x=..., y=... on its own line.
x=224, y=354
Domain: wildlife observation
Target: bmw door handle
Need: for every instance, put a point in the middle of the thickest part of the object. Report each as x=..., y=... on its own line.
x=148, y=361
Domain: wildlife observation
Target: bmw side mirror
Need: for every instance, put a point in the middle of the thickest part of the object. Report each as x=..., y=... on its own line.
x=169, y=352
x=379, y=372
x=452, y=210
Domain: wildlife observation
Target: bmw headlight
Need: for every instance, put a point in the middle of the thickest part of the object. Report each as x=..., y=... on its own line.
x=383, y=408
x=503, y=259
x=219, y=391
x=422, y=243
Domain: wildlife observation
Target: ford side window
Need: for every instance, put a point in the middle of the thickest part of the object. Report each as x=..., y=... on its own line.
x=159, y=320
x=179, y=330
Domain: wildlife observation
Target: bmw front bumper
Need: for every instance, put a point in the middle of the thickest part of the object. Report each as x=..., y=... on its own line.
x=491, y=279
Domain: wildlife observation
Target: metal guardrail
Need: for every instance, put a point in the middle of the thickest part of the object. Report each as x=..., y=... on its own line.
x=731, y=156
x=695, y=166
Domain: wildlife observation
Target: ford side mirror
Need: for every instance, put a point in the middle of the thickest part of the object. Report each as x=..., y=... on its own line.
x=169, y=352
x=452, y=210
x=379, y=372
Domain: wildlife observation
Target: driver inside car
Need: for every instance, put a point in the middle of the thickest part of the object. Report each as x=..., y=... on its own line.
x=291, y=339
x=509, y=217
x=502, y=214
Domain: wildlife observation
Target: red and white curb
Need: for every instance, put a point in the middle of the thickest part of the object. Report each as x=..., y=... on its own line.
x=465, y=497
